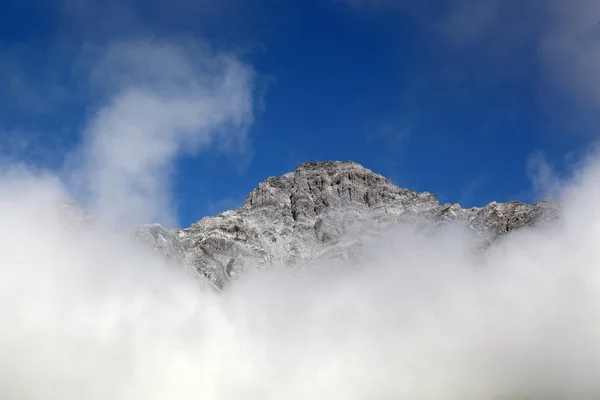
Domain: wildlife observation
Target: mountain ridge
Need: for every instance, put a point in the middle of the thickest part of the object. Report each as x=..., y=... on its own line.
x=312, y=212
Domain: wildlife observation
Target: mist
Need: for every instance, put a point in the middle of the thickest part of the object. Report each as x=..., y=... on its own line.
x=89, y=313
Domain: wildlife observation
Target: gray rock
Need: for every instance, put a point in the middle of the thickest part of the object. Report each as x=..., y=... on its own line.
x=160, y=240
x=322, y=210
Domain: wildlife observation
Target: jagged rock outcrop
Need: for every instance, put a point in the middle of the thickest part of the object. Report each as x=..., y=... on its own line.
x=320, y=210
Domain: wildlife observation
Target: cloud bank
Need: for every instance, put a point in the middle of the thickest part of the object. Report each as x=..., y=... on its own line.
x=89, y=314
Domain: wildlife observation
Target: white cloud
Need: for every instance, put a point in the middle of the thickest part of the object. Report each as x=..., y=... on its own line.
x=163, y=99
x=542, y=176
x=91, y=315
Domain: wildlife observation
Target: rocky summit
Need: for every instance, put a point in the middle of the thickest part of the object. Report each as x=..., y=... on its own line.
x=321, y=210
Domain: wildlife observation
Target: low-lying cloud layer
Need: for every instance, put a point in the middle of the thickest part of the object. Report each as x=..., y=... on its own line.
x=93, y=315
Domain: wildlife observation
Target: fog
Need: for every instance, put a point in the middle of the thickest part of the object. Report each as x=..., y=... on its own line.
x=90, y=314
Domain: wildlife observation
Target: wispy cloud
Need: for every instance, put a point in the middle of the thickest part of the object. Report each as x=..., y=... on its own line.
x=162, y=99
x=549, y=181
x=131, y=103
x=561, y=37
x=570, y=49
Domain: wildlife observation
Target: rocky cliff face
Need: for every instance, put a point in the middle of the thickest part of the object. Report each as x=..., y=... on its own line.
x=319, y=211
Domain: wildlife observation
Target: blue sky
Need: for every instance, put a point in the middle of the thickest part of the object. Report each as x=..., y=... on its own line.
x=458, y=97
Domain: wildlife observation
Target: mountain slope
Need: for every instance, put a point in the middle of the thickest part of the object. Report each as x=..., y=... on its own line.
x=321, y=210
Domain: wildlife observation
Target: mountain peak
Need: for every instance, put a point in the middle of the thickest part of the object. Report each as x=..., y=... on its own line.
x=328, y=164
x=317, y=186
x=313, y=211
x=322, y=210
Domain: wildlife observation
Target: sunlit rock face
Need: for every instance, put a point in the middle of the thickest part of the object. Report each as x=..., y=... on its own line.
x=323, y=210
